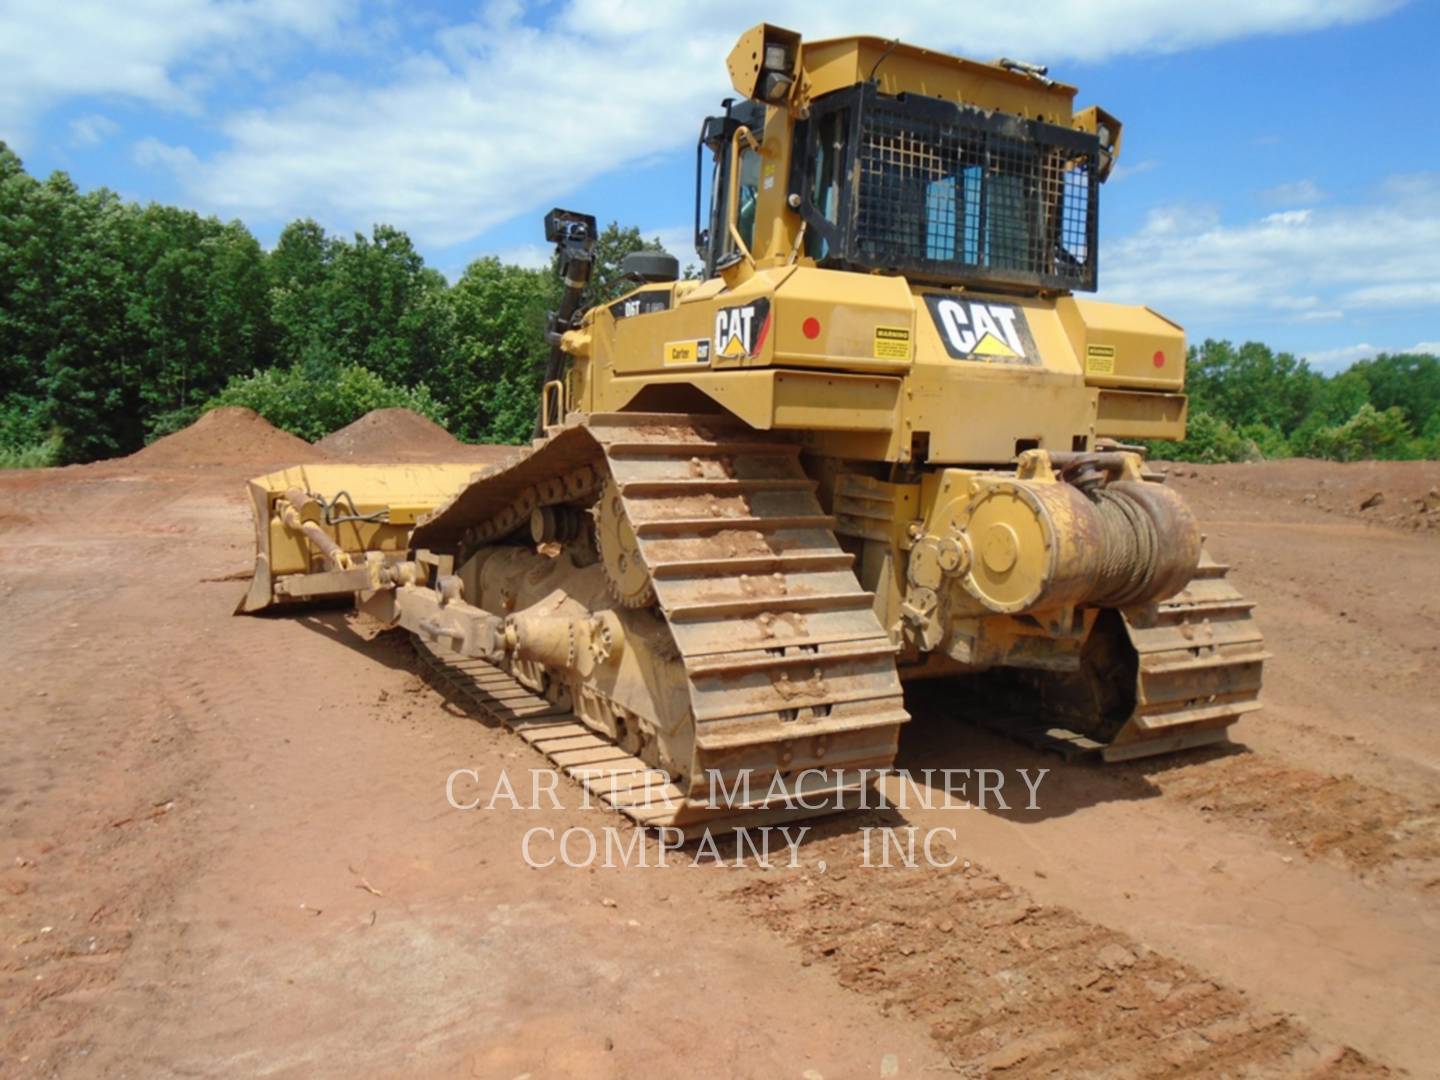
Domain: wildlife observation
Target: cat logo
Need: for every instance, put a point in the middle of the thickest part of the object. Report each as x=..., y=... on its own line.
x=983, y=331
x=741, y=331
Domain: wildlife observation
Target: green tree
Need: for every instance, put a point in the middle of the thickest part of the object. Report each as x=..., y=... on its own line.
x=1208, y=439
x=113, y=316
x=297, y=273
x=492, y=323
x=1409, y=382
x=1337, y=399
x=1250, y=385
x=312, y=402
x=93, y=365
x=375, y=304
x=1371, y=434
x=198, y=305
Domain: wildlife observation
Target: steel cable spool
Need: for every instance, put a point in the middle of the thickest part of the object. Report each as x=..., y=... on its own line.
x=1130, y=546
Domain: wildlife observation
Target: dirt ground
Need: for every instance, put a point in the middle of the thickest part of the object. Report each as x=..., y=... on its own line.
x=227, y=847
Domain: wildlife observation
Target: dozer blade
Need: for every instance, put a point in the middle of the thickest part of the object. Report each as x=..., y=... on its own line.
x=316, y=524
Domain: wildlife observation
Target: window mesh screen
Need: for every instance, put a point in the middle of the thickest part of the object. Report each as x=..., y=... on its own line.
x=955, y=190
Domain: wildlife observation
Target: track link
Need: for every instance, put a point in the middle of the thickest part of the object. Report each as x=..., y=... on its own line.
x=790, y=673
x=1201, y=656
x=1197, y=666
x=610, y=775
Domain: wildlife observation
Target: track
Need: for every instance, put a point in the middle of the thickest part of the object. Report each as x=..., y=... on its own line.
x=1200, y=660
x=1195, y=662
x=790, y=674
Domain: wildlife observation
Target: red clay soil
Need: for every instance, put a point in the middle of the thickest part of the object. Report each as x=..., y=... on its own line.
x=228, y=436
x=401, y=435
x=225, y=844
x=1398, y=494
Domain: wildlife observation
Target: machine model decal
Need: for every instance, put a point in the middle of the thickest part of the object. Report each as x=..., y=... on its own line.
x=741, y=331
x=891, y=343
x=983, y=330
x=641, y=303
x=680, y=353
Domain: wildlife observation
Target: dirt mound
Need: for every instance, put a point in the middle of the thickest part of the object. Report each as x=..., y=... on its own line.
x=1398, y=494
x=402, y=435
x=228, y=436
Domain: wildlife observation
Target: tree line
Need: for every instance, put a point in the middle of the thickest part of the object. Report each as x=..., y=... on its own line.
x=121, y=322
x=1249, y=403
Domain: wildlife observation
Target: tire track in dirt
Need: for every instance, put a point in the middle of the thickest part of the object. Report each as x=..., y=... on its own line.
x=96, y=797
x=1006, y=966
x=1320, y=816
x=76, y=895
x=1379, y=835
x=1011, y=986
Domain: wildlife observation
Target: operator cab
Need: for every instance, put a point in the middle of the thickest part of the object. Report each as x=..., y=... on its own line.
x=938, y=190
x=713, y=242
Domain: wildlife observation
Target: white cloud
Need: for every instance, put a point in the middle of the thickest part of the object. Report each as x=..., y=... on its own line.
x=1124, y=171
x=530, y=256
x=1297, y=193
x=1333, y=360
x=1286, y=217
x=154, y=152
x=1397, y=294
x=678, y=240
x=146, y=50
x=497, y=117
x=1303, y=265
x=91, y=130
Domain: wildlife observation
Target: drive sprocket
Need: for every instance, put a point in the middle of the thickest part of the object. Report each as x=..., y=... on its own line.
x=625, y=569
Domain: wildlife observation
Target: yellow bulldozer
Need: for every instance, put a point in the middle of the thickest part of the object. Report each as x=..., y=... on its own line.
x=880, y=439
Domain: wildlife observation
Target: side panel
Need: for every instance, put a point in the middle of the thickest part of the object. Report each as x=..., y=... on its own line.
x=953, y=376
x=811, y=402
x=1125, y=347
x=1128, y=414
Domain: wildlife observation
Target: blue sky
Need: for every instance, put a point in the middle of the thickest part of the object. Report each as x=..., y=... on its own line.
x=1280, y=174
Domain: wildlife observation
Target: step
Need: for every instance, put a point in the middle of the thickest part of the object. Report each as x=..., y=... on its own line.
x=777, y=605
x=752, y=564
x=742, y=665
x=674, y=526
x=641, y=489
x=698, y=449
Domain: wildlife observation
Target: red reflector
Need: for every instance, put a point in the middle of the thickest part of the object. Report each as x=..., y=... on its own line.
x=811, y=328
x=1159, y=358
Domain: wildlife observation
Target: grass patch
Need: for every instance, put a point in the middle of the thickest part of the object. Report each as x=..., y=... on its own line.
x=41, y=455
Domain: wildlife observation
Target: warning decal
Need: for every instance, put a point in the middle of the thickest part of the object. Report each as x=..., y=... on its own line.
x=1100, y=359
x=891, y=343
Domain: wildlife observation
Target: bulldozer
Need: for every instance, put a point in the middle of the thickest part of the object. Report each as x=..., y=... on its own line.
x=881, y=438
